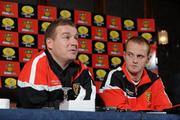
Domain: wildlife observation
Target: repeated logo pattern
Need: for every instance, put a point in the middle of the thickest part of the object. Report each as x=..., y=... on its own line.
x=101, y=38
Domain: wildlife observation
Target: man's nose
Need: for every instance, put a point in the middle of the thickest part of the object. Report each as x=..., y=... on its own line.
x=135, y=59
x=74, y=41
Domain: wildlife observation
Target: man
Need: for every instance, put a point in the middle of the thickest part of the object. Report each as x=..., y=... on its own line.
x=132, y=87
x=42, y=81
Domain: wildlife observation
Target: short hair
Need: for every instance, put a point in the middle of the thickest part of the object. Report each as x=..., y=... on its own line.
x=51, y=30
x=139, y=40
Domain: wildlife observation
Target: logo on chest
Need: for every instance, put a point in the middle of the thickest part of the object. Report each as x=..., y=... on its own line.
x=148, y=96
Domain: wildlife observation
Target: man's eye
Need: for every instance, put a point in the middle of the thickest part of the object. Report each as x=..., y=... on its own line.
x=140, y=56
x=66, y=37
x=130, y=54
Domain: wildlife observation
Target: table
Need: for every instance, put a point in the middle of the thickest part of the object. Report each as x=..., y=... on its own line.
x=46, y=114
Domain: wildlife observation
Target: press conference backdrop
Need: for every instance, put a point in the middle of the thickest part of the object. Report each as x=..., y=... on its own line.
x=101, y=38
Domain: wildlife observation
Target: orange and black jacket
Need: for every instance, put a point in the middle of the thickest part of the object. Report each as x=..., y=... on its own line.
x=41, y=81
x=119, y=91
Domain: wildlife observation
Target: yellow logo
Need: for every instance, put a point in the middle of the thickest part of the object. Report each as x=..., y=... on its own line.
x=128, y=23
x=45, y=25
x=8, y=22
x=101, y=73
x=116, y=61
x=147, y=36
x=83, y=30
x=98, y=18
x=83, y=58
x=114, y=34
x=8, y=51
x=27, y=9
x=28, y=39
x=99, y=45
x=65, y=14
x=10, y=82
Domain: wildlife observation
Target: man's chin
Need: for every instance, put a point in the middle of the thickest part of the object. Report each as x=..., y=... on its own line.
x=72, y=58
x=134, y=71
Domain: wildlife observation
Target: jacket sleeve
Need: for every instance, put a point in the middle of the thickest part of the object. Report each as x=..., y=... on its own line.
x=111, y=94
x=31, y=98
x=160, y=99
x=28, y=95
x=32, y=95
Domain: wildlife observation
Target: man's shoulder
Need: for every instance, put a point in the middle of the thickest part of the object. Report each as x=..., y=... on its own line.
x=38, y=58
x=116, y=71
x=153, y=76
x=119, y=68
x=39, y=55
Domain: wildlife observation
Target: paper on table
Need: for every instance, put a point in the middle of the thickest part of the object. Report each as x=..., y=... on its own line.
x=78, y=105
x=4, y=103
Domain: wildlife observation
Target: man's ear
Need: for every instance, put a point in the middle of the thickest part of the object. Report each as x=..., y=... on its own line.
x=149, y=57
x=49, y=43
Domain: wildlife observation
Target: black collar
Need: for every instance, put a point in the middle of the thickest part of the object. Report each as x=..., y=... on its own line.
x=65, y=75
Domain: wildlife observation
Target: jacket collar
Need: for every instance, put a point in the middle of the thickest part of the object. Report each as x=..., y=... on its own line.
x=144, y=78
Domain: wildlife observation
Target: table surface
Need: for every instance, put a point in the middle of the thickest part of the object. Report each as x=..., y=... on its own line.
x=47, y=114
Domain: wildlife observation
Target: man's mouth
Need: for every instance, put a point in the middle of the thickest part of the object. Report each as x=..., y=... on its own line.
x=134, y=66
x=73, y=50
